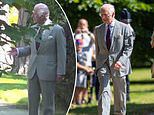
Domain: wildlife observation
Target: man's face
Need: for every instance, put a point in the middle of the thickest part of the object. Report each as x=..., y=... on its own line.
x=106, y=16
x=40, y=19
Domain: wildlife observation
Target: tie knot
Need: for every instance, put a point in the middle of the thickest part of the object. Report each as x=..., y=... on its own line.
x=108, y=40
x=108, y=26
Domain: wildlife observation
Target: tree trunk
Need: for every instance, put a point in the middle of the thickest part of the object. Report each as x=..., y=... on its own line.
x=21, y=64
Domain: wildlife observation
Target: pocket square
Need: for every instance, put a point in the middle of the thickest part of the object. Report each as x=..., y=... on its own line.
x=50, y=37
x=47, y=38
x=103, y=70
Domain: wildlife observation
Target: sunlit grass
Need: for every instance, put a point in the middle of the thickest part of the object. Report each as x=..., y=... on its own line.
x=141, y=93
x=13, y=96
x=141, y=74
x=13, y=89
x=10, y=80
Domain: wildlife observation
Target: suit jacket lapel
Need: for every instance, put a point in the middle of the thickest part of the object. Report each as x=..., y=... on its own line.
x=44, y=34
x=33, y=45
x=102, y=35
x=115, y=30
x=39, y=40
x=112, y=36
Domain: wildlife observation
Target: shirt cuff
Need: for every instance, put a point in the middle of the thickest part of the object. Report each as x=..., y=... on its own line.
x=17, y=52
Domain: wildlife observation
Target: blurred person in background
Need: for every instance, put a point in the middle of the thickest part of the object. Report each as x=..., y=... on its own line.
x=125, y=17
x=82, y=72
x=82, y=32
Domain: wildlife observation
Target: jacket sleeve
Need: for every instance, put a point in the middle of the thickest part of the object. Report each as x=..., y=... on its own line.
x=96, y=46
x=61, y=51
x=96, y=42
x=127, y=45
x=24, y=51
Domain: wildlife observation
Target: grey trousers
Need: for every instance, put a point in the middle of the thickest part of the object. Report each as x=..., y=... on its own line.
x=44, y=89
x=119, y=86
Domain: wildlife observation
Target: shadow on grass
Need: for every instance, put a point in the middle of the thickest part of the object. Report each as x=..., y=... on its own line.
x=23, y=101
x=11, y=86
x=143, y=82
x=14, y=76
x=140, y=109
x=89, y=110
x=132, y=109
x=145, y=91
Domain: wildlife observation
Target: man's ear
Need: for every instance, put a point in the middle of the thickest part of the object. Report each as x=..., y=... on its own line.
x=113, y=14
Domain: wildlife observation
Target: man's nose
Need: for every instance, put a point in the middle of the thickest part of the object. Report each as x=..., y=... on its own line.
x=103, y=17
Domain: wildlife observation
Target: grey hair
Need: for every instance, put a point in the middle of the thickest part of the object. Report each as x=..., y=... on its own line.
x=110, y=7
x=43, y=9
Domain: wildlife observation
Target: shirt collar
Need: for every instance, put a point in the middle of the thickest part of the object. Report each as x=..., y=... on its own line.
x=48, y=21
x=112, y=24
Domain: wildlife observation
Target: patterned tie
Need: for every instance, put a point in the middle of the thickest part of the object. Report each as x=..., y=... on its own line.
x=37, y=45
x=39, y=38
x=108, y=40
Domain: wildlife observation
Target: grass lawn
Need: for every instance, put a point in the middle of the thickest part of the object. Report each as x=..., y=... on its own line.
x=142, y=96
x=13, y=90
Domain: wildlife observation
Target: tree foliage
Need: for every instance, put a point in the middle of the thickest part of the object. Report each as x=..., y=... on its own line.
x=18, y=32
x=135, y=5
x=15, y=32
x=142, y=13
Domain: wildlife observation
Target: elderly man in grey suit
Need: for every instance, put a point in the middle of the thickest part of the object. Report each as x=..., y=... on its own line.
x=114, y=45
x=47, y=61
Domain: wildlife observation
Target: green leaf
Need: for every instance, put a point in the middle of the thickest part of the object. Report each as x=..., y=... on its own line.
x=3, y=71
x=2, y=12
x=8, y=1
x=12, y=32
x=76, y=1
x=6, y=41
x=2, y=43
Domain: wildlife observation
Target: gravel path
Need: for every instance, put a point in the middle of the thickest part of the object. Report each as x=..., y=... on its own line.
x=12, y=109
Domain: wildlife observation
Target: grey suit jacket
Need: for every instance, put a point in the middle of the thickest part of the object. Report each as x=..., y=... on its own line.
x=50, y=59
x=120, y=50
